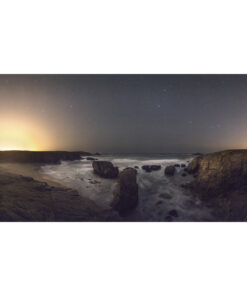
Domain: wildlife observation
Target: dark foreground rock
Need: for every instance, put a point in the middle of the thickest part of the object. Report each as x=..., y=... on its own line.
x=52, y=157
x=150, y=168
x=170, y=170
x=221, y=181
x=220, y=172
x=24, y=199
x=105, y=169
x=126, y=193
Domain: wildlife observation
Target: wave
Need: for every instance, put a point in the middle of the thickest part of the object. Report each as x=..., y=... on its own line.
x=152, y=186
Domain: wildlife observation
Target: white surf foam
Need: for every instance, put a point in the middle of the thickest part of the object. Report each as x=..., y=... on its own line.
x=152, y=206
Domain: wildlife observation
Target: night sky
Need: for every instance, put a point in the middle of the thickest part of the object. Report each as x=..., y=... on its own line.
x=123, y=113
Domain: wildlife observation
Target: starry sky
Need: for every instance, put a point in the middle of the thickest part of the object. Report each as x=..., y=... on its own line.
x=124, y=113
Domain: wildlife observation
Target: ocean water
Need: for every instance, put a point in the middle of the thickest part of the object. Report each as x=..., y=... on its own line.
x=153, y=205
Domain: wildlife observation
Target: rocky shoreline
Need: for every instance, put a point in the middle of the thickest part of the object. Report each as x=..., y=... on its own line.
x=217, y=179
x=220, y=180
x=23, y=199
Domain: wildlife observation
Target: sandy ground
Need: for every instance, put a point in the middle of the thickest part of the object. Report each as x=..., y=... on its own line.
x=28, y=170
x=26, y=196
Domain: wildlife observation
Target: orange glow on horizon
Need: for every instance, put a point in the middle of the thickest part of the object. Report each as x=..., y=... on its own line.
x=20, y=134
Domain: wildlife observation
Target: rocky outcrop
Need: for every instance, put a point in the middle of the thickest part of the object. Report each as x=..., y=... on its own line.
x=24, y=199
x=193, y=166
x=105, y=169
x=219, y=172
x=221, y=181
x=126, y=193
x=170, y=170
x=150, y=168
x=52, y=157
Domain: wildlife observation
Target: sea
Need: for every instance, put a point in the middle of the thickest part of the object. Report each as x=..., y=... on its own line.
x=158, y=194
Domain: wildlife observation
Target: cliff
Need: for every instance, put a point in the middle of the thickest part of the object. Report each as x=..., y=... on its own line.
x=221, y=180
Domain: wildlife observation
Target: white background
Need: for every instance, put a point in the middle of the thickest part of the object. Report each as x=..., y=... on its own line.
x=123, y=37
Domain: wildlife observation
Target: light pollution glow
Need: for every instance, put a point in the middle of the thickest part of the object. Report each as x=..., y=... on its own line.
x=20, y=134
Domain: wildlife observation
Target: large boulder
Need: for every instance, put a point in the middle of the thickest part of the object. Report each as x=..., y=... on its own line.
x=105, y=169
x=219, y=172
x=170, y=170
x=126, y=193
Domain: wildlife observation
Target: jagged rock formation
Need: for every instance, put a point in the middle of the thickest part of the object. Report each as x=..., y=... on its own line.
x=126, y=193
x=220, y=172
x=221, y=180
x=53, y=157
x=105, y=169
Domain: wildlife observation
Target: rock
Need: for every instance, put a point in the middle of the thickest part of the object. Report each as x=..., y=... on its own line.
x=150, y=168
x=221, y=182
x=105, y=169
x=173, y=213
x=155, y=167
x=219, y=172
x=136, y=167
x=97, y=153
x=147, y=168
x=170, y=170
x=165, y=195
x=126, y=193
x=193, y=166
x=177, y=165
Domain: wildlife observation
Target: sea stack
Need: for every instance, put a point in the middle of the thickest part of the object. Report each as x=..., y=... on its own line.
x=126, y=193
